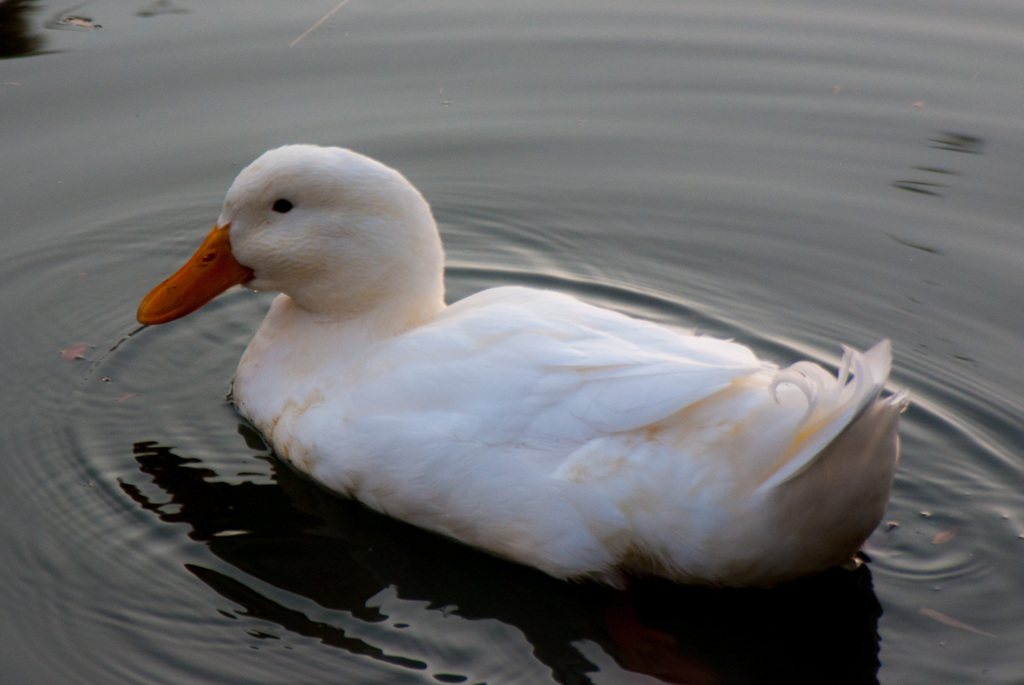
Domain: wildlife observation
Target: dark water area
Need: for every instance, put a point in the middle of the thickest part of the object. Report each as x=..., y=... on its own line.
x=788, y=174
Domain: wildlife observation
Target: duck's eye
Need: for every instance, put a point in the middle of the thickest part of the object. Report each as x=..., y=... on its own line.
x=282, y=206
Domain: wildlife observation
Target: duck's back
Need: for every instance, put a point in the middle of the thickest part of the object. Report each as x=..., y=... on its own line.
x=582, y=441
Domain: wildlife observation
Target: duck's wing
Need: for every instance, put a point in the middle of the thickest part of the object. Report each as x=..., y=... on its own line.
x=539, y=368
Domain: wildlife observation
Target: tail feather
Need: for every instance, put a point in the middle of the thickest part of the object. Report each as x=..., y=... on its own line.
x=833, y=402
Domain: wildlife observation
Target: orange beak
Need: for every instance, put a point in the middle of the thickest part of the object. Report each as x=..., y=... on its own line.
x=210, y=271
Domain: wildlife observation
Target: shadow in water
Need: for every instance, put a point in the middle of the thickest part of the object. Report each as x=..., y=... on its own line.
x=16, y=36
x=300, y=538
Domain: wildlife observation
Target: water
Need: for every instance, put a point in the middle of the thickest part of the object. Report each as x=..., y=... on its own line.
x=784, y=173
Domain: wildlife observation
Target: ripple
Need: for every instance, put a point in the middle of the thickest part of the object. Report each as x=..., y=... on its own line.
x=187, y=409
x=791, y=177
x=155, y=470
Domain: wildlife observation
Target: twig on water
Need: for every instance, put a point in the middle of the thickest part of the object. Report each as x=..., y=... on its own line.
x=318, y=22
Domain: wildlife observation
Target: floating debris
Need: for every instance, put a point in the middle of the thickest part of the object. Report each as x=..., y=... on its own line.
x=318, y=22
x=81, y=22
x=74, y=352
x=951, y=622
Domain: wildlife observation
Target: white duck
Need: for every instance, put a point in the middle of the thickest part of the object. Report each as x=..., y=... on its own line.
x=524, y=422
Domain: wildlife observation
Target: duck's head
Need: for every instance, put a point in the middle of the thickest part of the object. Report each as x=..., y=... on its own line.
x=339, y=233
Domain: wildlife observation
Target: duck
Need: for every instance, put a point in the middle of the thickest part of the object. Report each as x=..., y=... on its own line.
x=526, y=423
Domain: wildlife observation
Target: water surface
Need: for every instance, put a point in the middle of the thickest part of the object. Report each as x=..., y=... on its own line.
x=787, y=174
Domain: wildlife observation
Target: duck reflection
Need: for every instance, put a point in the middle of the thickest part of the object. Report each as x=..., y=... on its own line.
x=298, y=537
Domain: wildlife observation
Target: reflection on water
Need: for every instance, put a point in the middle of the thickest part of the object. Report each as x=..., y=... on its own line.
x=16, y=36
x=949, y=142
x=957, y=142
x=917, y=246
x=158, y=7
x=297, y=537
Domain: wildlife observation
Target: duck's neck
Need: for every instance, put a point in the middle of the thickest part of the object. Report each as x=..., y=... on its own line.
x=296, y=352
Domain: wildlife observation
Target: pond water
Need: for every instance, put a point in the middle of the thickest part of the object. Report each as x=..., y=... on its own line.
x=785, y=173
